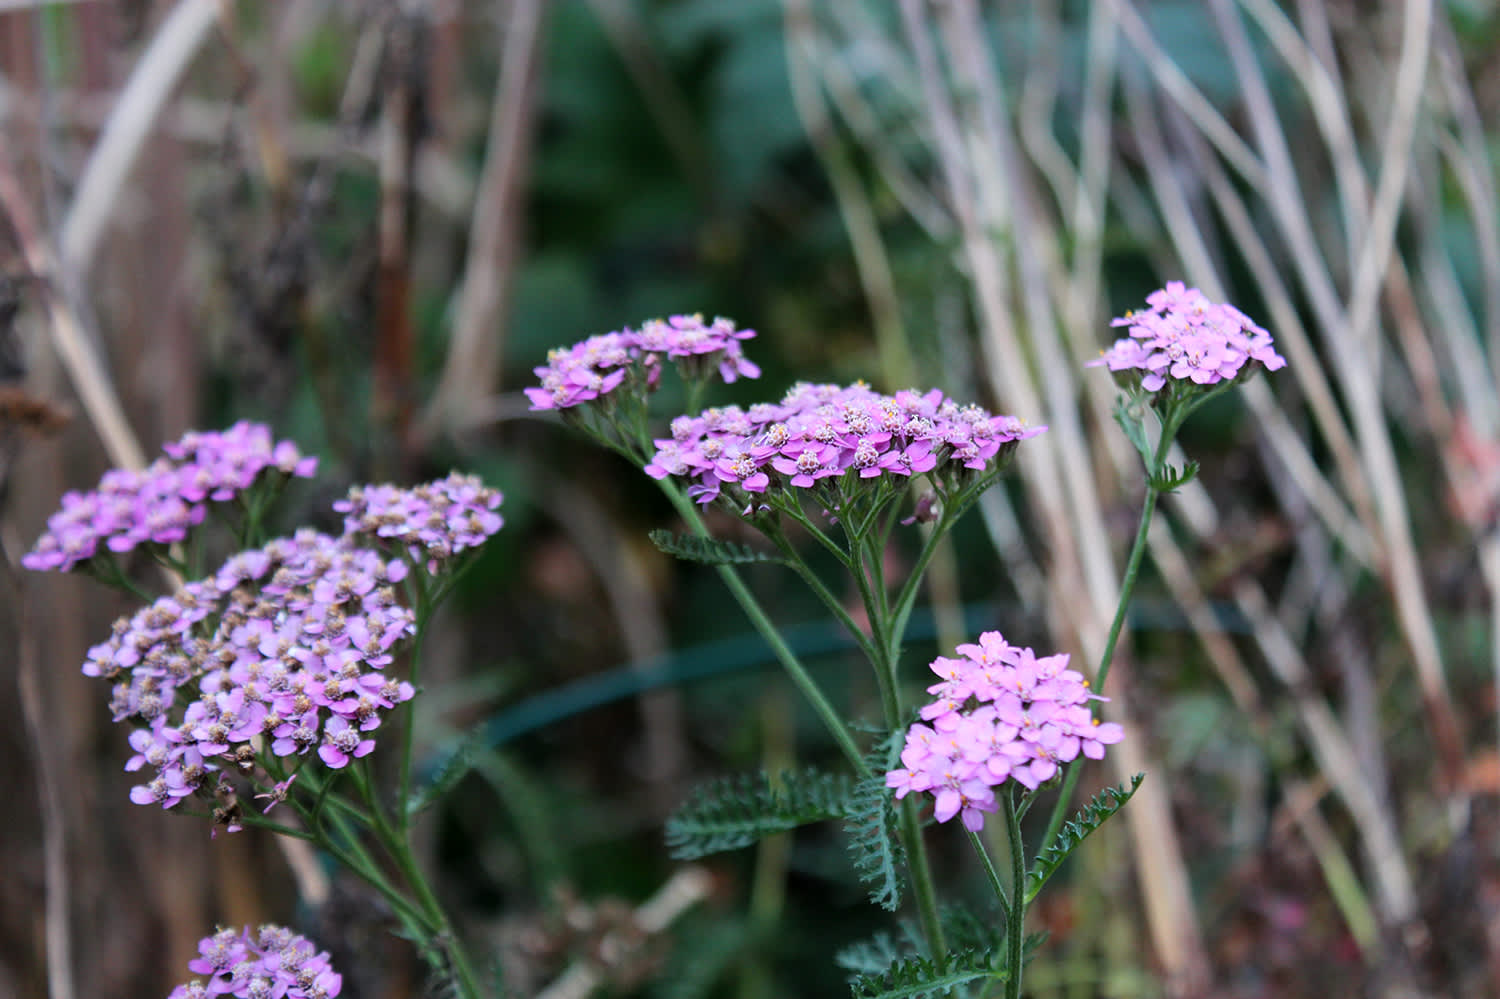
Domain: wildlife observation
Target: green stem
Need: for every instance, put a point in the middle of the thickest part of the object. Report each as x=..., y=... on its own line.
x=824, y=594
x=906, y=599
x=424, y=607
x=788, y=659
x=458, y=957
x=793, y=511
x=346, y=848
x=878, y=650
x=1127, y=589
x=922, y=885
x=393, y=837
x=1017, y=921
x=989, y=869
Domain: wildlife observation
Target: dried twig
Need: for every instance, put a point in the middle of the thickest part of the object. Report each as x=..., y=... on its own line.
x=171, y=51
x=494, y=238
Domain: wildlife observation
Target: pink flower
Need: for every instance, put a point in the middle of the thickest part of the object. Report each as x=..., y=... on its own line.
x=1184, y=338
x=1000, y=713
x=160, y=504
x=343, y=742
x=822, y=432
x=270, y=962
x=432, y=523
x=592, y=369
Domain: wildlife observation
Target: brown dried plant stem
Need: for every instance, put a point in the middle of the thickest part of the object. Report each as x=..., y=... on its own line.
x=57, y=880
x=474, y=353
x=1381, y=839
x=1350, y=332
x=975, y=152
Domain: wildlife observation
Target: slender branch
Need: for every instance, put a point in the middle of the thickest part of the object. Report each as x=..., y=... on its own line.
x=788, y=659
x=1127, y=588
x=990, y=872
x=1017, y=922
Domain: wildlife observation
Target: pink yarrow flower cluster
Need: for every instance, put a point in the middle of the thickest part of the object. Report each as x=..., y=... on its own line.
x=1000, y=713
x=270, y=962
x=1184, y=337
x=163, y=502
x=820, y=432
x=595, y=367
x=284, y=647
x=434, y=522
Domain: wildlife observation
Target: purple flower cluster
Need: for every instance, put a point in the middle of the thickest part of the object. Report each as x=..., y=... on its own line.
x=820, y=432
x=999, y=713
x=435, y=521
x=1186, y=337
x=271, y=962
x=283, y=647
x=161, y=503
x=597, y=366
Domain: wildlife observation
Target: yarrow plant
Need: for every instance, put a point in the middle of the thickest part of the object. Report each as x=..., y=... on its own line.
x=266, y=684
x=269, y=678
x=270, y=962
x=840, y=462
x=1182, y=350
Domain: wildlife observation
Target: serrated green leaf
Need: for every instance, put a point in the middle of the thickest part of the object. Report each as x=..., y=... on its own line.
x=872, y=956
x=874, y=847
x=709, y=551
x=1090, y=817
x=454, y=768
x=1171, y=478
x=734, y=812
x=915, y=977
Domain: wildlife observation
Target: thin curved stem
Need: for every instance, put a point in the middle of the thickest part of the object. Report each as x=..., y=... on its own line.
x=1001, y=895
x=907, y=596
x=394, y=839
x=1017, y=921
x=424, y=606
x=1127, y=589
x=824, y=594
x=458, y=957
x=922, y=884
x=788, y=659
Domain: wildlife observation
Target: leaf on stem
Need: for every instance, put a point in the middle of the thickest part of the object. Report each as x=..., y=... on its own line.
x=734, y=812
x=453, y=769
x=873, y=844
x=1090, y=817
x=709, y=551
x=875, y=955
x=1130, y=414
x=1171, y=478
x=912, y=977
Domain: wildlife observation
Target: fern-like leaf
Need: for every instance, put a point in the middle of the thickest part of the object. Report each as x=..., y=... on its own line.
x=873, y=845
x=918, y=977
x=709, y=551
x=736, y=811
x=873, y=956
x=454, y=768
x=1090, y=817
